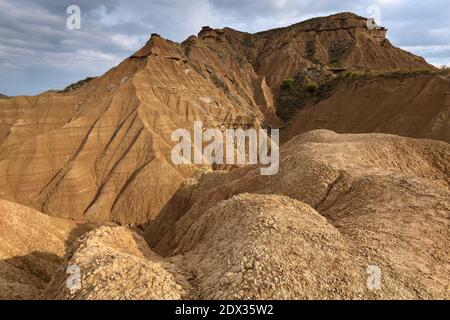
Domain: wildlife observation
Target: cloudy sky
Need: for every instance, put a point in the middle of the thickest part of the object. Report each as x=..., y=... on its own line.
x=38, y=52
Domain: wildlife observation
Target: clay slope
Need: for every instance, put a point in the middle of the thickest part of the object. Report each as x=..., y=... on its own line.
x=267, y=247
x=92, y=151
x=116, y=263
x=32, y=247
x=416, y=105
x=236, y=263
x=340, y=204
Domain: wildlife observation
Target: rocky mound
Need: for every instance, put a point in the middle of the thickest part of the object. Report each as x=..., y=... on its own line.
x=268, y=247
x=116, y=263
x=236, y=263
x=32, y=247
x=385, y=200
x=314, y=48
x=413, y=105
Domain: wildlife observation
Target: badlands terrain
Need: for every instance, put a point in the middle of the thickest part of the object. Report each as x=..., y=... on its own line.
x=87, y=180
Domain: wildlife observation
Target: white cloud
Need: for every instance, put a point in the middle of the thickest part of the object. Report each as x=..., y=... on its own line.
x=33, y=33
x=126, y=42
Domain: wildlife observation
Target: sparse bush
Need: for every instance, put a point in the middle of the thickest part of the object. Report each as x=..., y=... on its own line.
x=355, y=74
x=78, y=84
x=335, y=63
x=311, y=86
x=445, y=69
x=293, y=96
x=247, y=42
x=288, y=84
x=219, y=83
x=239, y=60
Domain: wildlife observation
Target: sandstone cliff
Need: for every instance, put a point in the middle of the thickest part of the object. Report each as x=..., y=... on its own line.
x=412, y=105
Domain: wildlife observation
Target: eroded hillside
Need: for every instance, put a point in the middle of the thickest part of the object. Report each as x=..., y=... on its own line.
x=100, y=149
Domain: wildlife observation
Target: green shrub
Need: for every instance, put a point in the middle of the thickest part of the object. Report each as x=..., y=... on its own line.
x=311, y=86
x=355, y=74
x=78, y=84
x=335, y=63
x=288, y=84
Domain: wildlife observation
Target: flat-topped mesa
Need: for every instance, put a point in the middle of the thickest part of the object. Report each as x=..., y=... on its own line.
x=336, y=43
x=107, y=142
x=340, y=21
x=334, y=22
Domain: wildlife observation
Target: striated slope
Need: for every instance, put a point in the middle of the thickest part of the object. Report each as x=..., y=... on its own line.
x=311, y=48
x=32, y=247
x=386, y=196
x=410, y=105
x=100, y=151
x=268, y=247
x=94, y=160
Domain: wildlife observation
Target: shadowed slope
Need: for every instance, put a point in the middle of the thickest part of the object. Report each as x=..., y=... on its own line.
x=32, y=247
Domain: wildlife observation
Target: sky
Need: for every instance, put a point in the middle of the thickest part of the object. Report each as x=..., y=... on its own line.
x=39, y=52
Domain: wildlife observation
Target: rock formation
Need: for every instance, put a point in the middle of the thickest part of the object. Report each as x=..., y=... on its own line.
x=99, y=153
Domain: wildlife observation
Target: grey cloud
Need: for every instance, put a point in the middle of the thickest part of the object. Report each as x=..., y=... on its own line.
x=37, y=52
